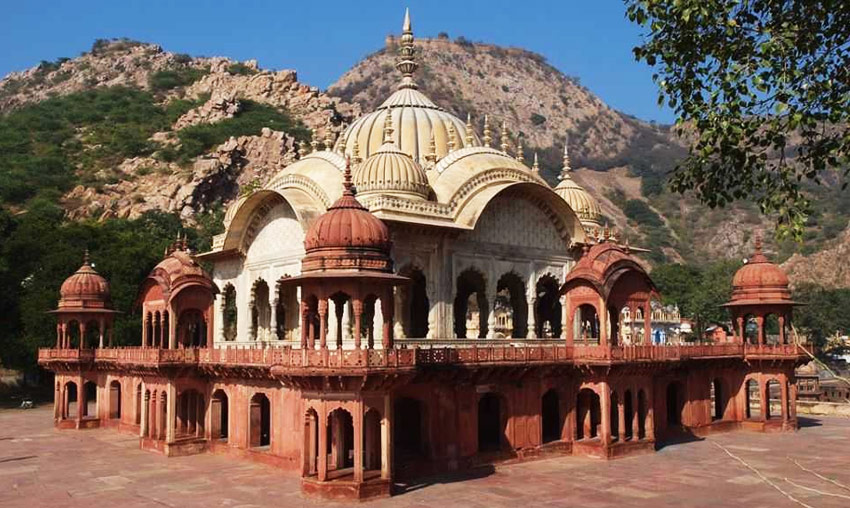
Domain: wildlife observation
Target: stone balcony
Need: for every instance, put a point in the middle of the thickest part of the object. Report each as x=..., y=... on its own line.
x=407, y=355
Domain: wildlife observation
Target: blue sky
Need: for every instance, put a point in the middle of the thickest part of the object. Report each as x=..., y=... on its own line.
x=321, y=39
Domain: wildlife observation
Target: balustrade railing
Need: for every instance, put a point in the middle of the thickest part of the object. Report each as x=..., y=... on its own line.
x=408, y=353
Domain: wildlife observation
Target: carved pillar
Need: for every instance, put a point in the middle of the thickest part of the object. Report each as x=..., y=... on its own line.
x=490, y=308
x=605, y=408
x=783, y=400
x=58, y=335
x=601, y=314
x=170, y=411
x=760, y=323
x=162, y=338
x=100, y=325
x=170, y=319
x=304, y=324
x=741, y=334
x=782, y=329
x=358, y=442
x=273, y=319
x=357, y=305
x=566, y=321
x=635, y=423
x=763, y=390
x=82, y=334
x=323, y=323
x=647, y=323
x=145, y=407
x=532, y=321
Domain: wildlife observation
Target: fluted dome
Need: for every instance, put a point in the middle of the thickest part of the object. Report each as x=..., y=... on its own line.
x=390, y=170
x=583, y=204
x=85, y=289
x=178, y=266
x=760, y=281
x=347, y=237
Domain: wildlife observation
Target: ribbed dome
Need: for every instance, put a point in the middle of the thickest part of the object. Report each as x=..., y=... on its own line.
x=85, y=289
x=415, y=118
x=390, y=170
x=760, y=281
x=347, y=236
x=582, y=203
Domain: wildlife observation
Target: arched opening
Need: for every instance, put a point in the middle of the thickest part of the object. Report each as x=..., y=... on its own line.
x=753, y=399
x=90, y=399
x=470, y=289
x=367, y=320
x=72, y=334
x=414, y=304
x=774, y=400
x=510, y=294
x=586, y=323
x=163, y=412
x=338, y=329
x=149, y=329
x=192, y=328
x=588, y=414
x=614, y=320
x=114, y=400
x=675, y=403
x=260, y=311
x=191, y=413
x=771, y=329
x=408, y=439
x=613, y=414
x=229, y=312
x=489, y=423
x=219, y=415
x=166, y=329
x=71, y=400
x=751, y=329
x=260, y=424
x=718, y=400
x=547, y=308
x=92, y=338
x=372, y=440
x=553, y=423
x=629, y=410
x=642, y=414
x=139, y=404
x=340, y=440
x=157, y=330
x=311, y=443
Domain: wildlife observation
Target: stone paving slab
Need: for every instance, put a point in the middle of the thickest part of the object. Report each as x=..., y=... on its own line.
x=40, y=466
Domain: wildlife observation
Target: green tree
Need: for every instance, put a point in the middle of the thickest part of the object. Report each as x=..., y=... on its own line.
x=823, y=313
x=761, y=87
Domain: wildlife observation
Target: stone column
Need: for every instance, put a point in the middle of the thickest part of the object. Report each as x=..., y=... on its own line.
x=647, y=323
x=793, y=395
x=605, y=408
x=304, y=324
x=763, y=390
x=783, y=400
x=636, y=418
x=532, y=320
x=782, y=338
x=143, y=419
x=323, y=446
x=357, y=305
x=621, y=420
x=601, y=315
x=273, y=319
x=358, y=442
x=82, y=335
x=170, y=412
x=386, y=439
x=566, y=321
x=339, y=308
x=760, y=323
x=145, y=322
x=491, y=316
x=100, y=333
x=172, y=328
x=741, y=334
x=58, y=336
x=323, y=323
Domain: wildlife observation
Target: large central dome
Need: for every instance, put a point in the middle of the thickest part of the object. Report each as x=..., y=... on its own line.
x=416, y=118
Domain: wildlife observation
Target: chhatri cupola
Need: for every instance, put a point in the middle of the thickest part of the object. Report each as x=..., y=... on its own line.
x=582, y=203
x=391, y=171
x=85, y=305
x=416, y=118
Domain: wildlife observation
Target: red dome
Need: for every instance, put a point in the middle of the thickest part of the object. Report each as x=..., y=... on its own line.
x=347, y=236
x=85, y=289
x=760, y=281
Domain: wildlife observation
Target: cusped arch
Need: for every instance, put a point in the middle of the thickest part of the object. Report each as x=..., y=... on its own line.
x=245, y=225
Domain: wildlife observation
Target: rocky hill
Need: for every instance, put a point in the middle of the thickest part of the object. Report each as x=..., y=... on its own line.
x=135, y=128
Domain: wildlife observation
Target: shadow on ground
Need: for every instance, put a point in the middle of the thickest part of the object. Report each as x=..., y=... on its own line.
x=420, y=483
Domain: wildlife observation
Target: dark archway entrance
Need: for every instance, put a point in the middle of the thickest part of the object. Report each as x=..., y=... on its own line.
x=588, y=414
x=551, y=416
x=470, y=285
x=219, y=417
x=114, y=400
x=489, y=423
x=340, y=439
x=675, y=403
x=260, y=421
x=407, y=429
x=548, y=308
x=512, y=289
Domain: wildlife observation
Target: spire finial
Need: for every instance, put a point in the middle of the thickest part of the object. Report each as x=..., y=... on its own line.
x=348, y=186
x=86, y=261
x=388, y=127
x=452, y=142
x=565, y=169
x=302, y=150
x=406, y=63
x=356, y=152
x=314, y=142
x=536, y=166
x=431, y=156
x=329, y=140
x=519, y=155
x=470, y=137
x=504, y=146
x=487, y=135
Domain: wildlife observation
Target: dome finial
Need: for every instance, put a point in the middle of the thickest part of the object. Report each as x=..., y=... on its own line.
x=347, y=185
x=329, y=140
x=487, y=135
x=406, y=63
x=431, y=156
x=758, y=242
x=302, y=150
x=356, y=152
x=452, y=143
x=565, y=169
x=388, y=127
x=504, y=146
x=519, y=155
x=536, y=166
x=470, y=137
x=86, y=261
x=314, y=142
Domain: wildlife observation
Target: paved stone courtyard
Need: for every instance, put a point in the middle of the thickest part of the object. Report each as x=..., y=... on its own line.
x=40, y=466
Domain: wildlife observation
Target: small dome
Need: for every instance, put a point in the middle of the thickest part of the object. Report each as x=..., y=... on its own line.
x=179, y=266
x=85, y=289
x=760, y=281
x=392, y=171
x=583, y=204
x=347, y=236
